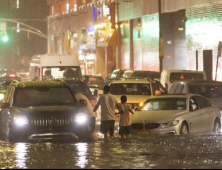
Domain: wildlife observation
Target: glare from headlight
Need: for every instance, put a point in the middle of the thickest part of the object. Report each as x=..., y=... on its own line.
x=21, y=121
x=169, y=124
x=81, y=119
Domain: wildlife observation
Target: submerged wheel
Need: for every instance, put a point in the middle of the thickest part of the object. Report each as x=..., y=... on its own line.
x=217, y=126
x=184, y=129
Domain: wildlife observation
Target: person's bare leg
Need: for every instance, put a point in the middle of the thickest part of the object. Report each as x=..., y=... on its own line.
x=92, y=136
x=106, y=136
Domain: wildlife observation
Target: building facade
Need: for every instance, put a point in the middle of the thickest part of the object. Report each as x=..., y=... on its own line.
x=84, y=28
x=191, y=32
x=134, y=34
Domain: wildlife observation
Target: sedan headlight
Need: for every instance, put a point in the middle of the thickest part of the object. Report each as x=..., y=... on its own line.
x=81, y=118
x=169, y=124
x=21, y=121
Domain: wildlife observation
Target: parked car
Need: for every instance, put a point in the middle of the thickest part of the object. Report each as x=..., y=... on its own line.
x=146, y=74
x=81, y=87
x=94, y=81
x=116, y=75
x=8, y=76
x=136, y=90
x=95, y=90
x=128, y=74
x=211, y=90
x=176, y=114
x=42, y=110
x=168, y=77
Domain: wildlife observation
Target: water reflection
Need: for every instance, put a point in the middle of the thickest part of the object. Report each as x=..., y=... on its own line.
x=200, y=151
x=82, y=149
x=21, y=151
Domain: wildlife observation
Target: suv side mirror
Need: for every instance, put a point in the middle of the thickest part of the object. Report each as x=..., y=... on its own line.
x=5, y=105
x=82, y=103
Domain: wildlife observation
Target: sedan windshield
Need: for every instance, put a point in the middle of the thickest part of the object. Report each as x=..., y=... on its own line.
x=44, y=97
x=165, y=104
x=130, y=89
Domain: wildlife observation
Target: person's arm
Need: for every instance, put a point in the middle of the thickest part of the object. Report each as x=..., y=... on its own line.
x=97, y=105
x=131, y=110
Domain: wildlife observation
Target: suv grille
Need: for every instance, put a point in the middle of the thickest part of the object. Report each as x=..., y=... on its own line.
x=57, y=120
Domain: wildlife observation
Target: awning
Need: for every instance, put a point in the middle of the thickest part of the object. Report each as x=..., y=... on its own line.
x=107, y=39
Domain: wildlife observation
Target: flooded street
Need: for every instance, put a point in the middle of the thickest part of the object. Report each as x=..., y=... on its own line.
x=203, y=151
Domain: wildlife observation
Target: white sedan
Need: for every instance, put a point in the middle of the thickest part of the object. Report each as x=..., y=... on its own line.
x=176, y=114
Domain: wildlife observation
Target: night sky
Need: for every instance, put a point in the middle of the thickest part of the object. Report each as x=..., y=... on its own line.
x=21, y=45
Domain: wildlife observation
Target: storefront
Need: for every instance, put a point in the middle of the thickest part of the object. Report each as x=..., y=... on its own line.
x=203, y=34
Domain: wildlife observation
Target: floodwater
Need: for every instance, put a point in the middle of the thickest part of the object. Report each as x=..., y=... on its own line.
x=150, y=152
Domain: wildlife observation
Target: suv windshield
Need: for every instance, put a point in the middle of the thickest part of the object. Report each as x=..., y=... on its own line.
x=130, y=89
x=165, y=104
x=43, y=97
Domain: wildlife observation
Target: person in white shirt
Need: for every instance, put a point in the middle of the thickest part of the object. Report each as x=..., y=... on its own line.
x=108, y=105
x=125, y=118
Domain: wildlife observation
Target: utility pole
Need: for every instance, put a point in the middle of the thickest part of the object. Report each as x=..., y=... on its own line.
x=218, y=56
x=161, y=41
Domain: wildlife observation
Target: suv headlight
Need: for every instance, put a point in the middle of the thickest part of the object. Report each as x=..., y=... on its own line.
x=81, y=118
x=169, y=124
x=21, y=121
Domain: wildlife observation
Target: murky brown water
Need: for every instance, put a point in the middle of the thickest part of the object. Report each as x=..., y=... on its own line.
x=204, y=151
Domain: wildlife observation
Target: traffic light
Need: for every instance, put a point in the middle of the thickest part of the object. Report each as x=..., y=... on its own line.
x=4, y=34
x=4, y=37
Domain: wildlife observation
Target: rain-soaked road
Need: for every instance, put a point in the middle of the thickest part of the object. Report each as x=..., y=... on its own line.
x=202, y=151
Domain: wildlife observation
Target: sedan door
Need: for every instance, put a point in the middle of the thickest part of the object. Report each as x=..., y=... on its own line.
x=196, y=118
x=208, y=111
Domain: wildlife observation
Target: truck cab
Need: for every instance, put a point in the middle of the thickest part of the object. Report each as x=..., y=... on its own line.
x=43, y=67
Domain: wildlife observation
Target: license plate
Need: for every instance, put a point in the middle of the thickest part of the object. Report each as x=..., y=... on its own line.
x=144, y=132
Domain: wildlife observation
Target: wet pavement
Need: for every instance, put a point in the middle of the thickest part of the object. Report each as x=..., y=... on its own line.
x=199, y=151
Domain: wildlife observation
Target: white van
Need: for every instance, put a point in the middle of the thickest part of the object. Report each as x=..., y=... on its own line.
x=54, y=67
x=168, y=77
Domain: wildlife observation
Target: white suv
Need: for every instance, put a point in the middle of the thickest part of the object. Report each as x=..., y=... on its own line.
x=136, y=90
x=168, y=77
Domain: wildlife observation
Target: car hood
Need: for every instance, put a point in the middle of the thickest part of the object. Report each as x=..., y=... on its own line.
x=156, y=116
x=45, y=110
x=134, y=99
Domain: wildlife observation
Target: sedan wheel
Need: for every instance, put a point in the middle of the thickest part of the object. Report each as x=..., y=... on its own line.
x=217, y=127
x=184, y=129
